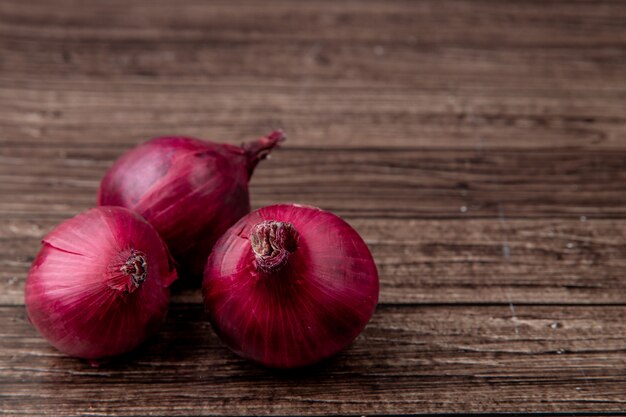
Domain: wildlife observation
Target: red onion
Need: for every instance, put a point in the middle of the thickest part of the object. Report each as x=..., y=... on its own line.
x=99, y=285
x=290, y=285
x=190, y=190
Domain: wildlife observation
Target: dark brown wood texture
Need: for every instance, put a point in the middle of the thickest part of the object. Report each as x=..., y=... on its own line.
x=479, y=147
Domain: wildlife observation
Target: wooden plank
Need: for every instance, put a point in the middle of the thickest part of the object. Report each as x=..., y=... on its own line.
x=320, y=114
x=151, y=38
x=408, y=360
x=406, y=74
x=368, y=183
x=439, y=261
x=560, y=22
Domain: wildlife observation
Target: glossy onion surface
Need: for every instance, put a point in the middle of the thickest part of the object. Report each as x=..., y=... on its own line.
x=99, y=285
x=289, y=285
x=190, y=190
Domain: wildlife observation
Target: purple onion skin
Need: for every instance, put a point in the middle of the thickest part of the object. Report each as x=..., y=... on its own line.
x=99, y=286
x=293, y=291
x=190, y=190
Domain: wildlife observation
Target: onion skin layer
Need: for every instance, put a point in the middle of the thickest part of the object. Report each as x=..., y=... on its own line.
x=99, y=286
x=293, y=312
x=189, y=189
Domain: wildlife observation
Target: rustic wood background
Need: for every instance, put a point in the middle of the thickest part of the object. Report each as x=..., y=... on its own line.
x=478, y=146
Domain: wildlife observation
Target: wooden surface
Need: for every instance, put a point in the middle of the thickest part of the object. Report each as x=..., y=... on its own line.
x=478, y=146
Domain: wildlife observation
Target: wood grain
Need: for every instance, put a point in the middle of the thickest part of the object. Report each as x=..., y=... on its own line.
x=427, y=261
x=320, y=114
x=478, y=147
x=464, y=359
x=365, y=183
x=400, y=73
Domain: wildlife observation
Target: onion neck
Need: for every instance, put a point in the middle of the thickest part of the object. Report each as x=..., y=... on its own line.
x=260, y=149
x=272, y=243
x=128, y=275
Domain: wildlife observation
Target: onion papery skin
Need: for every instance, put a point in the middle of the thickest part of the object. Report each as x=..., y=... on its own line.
x=309, y=301
x=189, y=189
x=99, y=286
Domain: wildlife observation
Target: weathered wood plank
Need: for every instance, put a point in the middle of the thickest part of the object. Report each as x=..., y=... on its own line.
x=407, y=184
x=223, y=38
x=573, y=23
x=327, y=114
x=409, y=359
x=440, y=261
x=401, y=73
